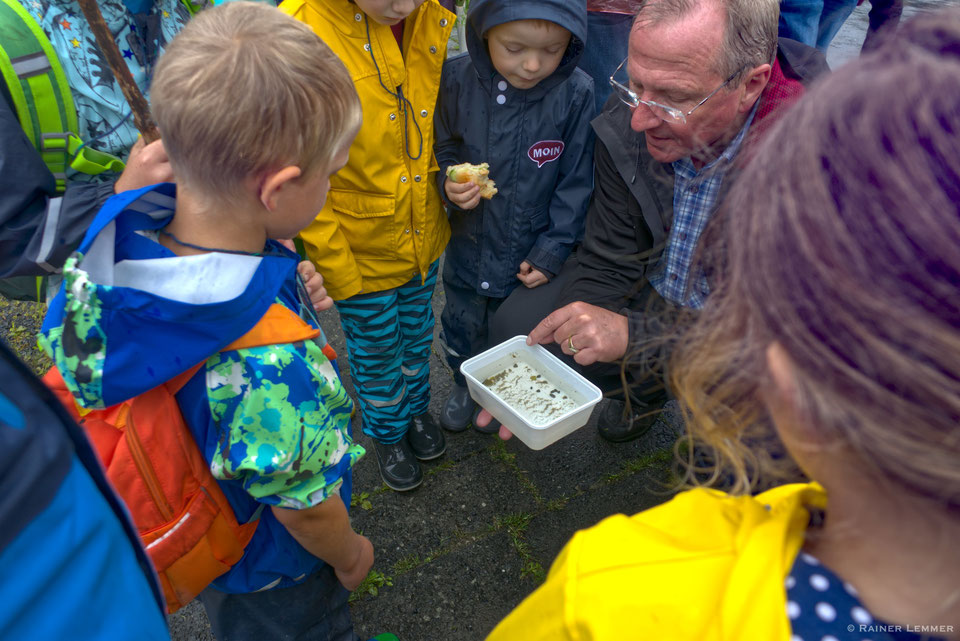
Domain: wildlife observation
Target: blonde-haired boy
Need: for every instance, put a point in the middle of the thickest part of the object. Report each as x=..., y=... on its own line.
x=244, y=90
x=256, y=113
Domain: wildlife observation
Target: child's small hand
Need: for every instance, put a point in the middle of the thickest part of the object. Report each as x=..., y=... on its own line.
x=531, y=276
x=146, y=165
x=353, y=576
x=463, y=195
x=314, y=283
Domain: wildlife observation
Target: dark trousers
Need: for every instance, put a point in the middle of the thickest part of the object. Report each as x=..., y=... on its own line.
x=315, y=610
x=464, y=321
x=642, y=371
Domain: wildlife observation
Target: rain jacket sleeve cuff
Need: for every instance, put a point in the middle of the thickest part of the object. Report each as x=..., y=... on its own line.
x=548, y=255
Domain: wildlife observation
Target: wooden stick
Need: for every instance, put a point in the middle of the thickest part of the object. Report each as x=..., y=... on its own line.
x=138, y=104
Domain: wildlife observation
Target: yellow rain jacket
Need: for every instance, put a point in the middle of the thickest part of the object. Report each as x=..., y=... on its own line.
x=703, y=567
x=383, y=222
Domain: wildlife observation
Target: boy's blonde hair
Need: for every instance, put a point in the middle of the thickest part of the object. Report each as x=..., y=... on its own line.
x=245, y=89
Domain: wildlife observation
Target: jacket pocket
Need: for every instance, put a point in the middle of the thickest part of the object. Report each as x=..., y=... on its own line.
x=367, y=221
x=538, y=217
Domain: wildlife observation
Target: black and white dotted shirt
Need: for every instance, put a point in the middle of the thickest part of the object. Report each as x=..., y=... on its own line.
x=823, y=607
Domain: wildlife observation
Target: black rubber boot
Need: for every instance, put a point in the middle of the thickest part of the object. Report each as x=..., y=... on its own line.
x=425, y=438
x=398, y=466
x=457, y=410
x=614, y=425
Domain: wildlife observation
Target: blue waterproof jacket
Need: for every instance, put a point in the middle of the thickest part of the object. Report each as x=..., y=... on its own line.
x=538, y=143
x=132, y=315
x=72, y=563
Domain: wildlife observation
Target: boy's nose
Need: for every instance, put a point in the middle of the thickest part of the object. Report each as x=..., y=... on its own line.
x=531, y=64
x=405, y=7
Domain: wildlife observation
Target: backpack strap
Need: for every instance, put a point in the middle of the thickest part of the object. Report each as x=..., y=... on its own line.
x=192, y=7
x=279, y=325
x=41, y=96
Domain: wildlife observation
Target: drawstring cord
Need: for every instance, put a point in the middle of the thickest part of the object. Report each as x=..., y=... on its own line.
x=402, y=102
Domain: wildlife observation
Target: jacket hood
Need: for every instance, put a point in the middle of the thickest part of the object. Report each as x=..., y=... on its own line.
x=704, y=566
x=486, y=14
x=132, y=315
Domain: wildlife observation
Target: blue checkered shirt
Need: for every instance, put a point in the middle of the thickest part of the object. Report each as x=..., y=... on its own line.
x=675, y=277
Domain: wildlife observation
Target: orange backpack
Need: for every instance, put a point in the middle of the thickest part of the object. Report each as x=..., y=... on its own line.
x=149, y=454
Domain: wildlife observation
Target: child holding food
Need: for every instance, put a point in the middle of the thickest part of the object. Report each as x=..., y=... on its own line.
x=515, y=111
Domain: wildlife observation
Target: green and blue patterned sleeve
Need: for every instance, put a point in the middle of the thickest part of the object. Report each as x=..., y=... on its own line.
x=283, y=422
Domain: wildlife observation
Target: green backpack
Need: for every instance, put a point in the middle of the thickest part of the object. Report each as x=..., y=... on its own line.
x=42, y=99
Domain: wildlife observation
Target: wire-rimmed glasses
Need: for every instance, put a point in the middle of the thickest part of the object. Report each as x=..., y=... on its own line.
x=661, y=111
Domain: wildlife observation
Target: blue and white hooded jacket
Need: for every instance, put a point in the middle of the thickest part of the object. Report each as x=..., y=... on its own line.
x=538, y=143
x=273, y=421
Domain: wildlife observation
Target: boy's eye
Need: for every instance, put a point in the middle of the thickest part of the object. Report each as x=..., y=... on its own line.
x=514, y=49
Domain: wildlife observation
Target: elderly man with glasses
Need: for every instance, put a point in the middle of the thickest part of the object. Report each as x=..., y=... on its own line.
x=702, y=79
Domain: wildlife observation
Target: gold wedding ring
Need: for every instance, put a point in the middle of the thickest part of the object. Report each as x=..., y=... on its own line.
x=573, y=350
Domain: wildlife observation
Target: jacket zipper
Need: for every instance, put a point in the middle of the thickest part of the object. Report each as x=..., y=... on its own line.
x=146, y=470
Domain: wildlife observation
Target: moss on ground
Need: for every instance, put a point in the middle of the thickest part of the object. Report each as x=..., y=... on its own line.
x=19, y=323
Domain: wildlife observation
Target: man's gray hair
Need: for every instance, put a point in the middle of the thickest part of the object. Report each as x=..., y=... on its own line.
x=750, y=36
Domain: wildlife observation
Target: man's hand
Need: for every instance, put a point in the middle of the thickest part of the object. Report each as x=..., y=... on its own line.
x=146, y=165
x=531, y=276
x=484, y=418
x=314, y=283
x=587, y=332
x=463, y=195
x=352, y=576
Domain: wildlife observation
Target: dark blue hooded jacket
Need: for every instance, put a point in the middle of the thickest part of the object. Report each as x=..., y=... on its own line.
x=538, y=213
x=72, y=563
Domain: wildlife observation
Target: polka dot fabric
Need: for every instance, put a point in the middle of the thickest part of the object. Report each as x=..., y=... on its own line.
x=822, y=607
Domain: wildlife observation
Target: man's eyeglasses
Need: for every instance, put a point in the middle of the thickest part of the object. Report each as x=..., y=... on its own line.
x=661, y=111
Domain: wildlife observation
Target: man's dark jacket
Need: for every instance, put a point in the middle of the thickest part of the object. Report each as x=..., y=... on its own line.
x=631, y=210
x=38, y=230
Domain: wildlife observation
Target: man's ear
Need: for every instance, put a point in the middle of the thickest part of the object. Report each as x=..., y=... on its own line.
x=272, y=185
x=753, y=85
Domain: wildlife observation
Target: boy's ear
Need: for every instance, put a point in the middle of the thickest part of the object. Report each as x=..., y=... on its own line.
x=273, y=183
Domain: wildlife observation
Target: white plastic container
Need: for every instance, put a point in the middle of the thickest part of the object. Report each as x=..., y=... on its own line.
x=535, y=394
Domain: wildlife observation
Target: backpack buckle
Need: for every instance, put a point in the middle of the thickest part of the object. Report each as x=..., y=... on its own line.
x=66, y=142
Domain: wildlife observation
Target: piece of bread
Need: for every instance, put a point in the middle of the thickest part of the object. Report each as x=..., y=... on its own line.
x=477, y=174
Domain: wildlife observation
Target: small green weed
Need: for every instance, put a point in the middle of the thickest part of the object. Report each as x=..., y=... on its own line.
x=361, y=500
x=371, y=585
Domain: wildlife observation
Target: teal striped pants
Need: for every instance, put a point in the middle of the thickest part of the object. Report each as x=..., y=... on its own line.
x=389, y=334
